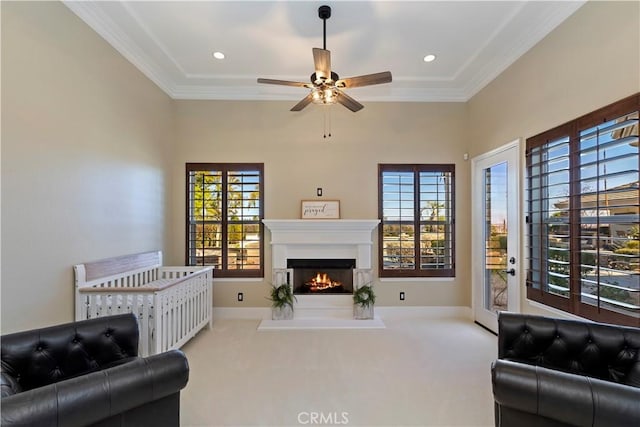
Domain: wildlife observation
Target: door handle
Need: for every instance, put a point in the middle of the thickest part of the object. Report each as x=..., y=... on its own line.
x=511, y=271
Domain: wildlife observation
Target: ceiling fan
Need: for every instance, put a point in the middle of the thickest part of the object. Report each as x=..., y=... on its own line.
x=325, y=84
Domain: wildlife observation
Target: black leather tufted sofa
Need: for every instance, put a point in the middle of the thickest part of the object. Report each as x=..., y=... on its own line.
x=559, y=373
x=87, y=373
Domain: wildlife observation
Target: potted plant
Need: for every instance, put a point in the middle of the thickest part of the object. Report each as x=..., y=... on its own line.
x=282, y=302
x=363, y=300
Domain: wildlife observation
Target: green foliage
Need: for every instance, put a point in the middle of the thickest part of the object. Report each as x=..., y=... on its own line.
x=207, y=196
x=364, y=296
x=587, y=258
x=206, y=205
x=615, y=294
x=438, y=243
x=499, y=241
x=631, y=247
x=627, y=251
x=282, y=295
x=588, y=263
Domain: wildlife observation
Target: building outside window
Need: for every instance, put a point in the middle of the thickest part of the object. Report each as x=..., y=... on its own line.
x=224, y=218
x=583, y=215
x=416, y=209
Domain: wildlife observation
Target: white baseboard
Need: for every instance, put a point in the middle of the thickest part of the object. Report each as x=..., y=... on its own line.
x=389, y=312
x=424, y=311
x=244, y=313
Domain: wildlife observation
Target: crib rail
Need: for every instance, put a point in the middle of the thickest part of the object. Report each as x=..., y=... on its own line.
x=172, y=303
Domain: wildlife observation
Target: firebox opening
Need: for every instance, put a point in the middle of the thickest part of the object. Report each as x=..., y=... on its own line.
x=322, y=276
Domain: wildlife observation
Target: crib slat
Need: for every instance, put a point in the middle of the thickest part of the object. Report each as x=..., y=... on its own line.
x=144, y=323
x=170, y=320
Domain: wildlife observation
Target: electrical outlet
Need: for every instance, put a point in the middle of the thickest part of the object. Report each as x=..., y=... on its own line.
x=401, y=296
x=319, y=192
x=240, y=296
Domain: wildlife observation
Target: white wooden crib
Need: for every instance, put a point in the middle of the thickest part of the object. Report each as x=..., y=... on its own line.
x=172, y=303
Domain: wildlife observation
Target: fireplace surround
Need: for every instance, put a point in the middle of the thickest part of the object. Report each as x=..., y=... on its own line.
x=316, y=241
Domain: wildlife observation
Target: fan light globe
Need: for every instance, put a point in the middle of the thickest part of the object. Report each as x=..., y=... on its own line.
x=324, y=96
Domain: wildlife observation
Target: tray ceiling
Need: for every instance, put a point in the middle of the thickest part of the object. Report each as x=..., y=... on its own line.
x=172, y=43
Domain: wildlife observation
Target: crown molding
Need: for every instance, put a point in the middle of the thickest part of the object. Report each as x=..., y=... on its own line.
x=551, y=18
x=101, y=23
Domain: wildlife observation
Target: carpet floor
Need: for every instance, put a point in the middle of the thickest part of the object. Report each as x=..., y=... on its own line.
x=415, y=372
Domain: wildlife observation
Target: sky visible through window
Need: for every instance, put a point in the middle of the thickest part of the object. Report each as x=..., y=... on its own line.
x=248, y=183
x=601, y=154
x=399, y=194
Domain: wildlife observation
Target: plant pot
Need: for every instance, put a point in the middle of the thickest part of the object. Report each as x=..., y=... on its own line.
x=362, y=312
x=282, y=313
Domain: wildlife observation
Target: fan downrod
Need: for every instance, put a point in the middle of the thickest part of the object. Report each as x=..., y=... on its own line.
x=324, y=12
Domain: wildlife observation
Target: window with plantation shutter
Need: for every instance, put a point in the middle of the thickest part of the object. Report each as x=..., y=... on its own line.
x=584, y=215
x=416, y=209
x=224, y=218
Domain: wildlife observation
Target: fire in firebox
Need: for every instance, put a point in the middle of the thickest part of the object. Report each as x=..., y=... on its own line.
x=322, y=282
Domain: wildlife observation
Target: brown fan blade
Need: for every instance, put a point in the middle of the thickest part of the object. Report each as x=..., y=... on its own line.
x=305, y=101
x=349, y=102
x=283, y=83
x=322, y=61
x=367, y=80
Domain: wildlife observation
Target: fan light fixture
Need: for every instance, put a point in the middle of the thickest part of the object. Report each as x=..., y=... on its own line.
x=326, y=87
x=324, y=95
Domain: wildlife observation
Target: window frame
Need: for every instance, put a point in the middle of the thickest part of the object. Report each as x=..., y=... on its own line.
x=416, y=271
x=225, y=169
x=537, y=263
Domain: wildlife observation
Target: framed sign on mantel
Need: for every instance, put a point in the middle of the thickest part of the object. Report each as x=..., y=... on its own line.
x=320, y=209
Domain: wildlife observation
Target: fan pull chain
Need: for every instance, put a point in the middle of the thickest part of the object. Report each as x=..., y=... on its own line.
x=327, y=121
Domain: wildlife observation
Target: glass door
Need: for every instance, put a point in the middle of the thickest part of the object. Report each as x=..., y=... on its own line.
x=495, y=230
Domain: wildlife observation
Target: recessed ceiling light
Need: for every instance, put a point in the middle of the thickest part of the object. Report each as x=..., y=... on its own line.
x=429, y=58
x=218, y=55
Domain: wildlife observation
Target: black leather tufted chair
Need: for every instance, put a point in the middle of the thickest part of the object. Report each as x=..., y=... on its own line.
x=560, y=373
x=87, y=373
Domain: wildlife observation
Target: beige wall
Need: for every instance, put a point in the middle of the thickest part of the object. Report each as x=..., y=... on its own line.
x=84, y=145
x=297, y=160
x=591, y=60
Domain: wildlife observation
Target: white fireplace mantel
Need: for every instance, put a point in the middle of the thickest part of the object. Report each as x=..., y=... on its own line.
x=321, y=239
